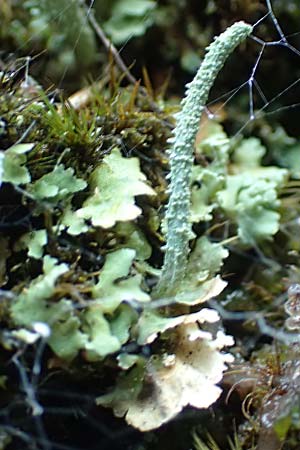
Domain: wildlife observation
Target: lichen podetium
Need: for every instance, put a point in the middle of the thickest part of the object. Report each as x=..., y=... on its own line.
x=182, y=154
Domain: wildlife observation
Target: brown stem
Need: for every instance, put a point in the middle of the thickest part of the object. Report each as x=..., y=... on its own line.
x=119, y=61
x=111, y=48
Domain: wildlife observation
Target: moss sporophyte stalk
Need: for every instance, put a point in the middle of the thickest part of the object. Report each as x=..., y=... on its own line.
x=178, y=222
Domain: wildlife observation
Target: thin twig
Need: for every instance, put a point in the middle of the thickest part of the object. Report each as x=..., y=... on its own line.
x=120, y=63
x=111, y=48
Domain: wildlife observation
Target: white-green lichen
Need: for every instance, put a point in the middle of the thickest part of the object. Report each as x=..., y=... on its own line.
x=250, y=194
x=208, y=180
x=114, y=184
x=182, y=154
x=13, y=164
x=116, y=284
x=57, y=185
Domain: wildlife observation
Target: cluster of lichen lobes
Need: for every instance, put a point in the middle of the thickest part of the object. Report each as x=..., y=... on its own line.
x=105, y=323
x=182, y=154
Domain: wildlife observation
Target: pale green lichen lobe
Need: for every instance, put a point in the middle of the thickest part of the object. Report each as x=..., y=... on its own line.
x=182, y=154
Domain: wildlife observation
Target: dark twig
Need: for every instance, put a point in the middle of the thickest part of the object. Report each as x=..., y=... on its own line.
x=120, y=63
x=111, y=48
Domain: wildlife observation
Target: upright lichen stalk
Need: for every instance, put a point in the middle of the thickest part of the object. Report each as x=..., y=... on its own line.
x=182, y=154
